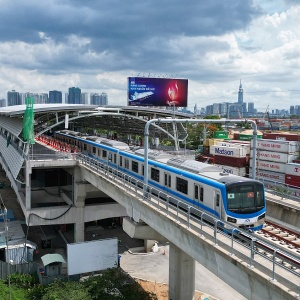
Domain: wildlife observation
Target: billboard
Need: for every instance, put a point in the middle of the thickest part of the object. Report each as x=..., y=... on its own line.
x=145, y=91
x=92, y=256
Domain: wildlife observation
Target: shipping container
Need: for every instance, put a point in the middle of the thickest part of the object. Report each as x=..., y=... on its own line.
x=228, y=151
x=292, y=180
x=230, y=161
x=292, y=169
x=233, y=170
x=220, y=134
x=268, y=175
x=277, y=146
x=281, y=136
x=275, y=156
x=247, y=137
x=269, y=166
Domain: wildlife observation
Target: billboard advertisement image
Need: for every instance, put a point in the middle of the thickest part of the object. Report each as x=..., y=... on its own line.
x=145, y=91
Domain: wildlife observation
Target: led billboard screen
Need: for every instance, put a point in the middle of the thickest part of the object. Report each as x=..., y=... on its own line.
x=145, y=91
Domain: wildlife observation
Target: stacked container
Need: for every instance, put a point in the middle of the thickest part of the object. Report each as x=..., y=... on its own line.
x=292, y=175
x=231, y=155
x=273, y=156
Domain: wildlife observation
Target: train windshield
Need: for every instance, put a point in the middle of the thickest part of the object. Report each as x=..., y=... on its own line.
x=245, y=198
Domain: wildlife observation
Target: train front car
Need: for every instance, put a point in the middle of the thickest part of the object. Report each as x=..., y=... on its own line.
x=245, y=204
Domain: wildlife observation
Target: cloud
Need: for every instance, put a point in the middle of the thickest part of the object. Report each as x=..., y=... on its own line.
x=96, y=45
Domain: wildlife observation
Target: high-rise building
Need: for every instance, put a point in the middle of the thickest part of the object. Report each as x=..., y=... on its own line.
x=85, y=98
x=99, y=99
x=104, y=99
x=55, y=97
x=13, y=98
x=240, y=94
x=251, y=108
x=74, y=96
x=292, y=110
x=2, y=102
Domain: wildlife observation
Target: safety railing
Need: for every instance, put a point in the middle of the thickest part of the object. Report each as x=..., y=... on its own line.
x=279, y=264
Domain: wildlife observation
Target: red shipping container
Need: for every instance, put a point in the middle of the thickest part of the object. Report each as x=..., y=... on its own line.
x=292, y=180
x=281, y=136
x=231, y=161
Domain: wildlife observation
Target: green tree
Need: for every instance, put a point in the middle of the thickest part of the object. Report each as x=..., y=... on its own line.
x=115, y=284
x=69, y=290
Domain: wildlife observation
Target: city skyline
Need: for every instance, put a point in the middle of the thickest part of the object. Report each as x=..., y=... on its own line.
x=212, y=44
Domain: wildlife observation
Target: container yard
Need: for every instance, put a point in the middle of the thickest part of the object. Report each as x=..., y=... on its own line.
x=277, y=157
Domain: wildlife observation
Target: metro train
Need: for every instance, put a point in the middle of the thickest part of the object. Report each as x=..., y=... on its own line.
x=237, y=200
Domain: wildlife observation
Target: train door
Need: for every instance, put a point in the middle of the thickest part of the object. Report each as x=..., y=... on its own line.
x=218, y=203
x=198, y=194
x=167, y=180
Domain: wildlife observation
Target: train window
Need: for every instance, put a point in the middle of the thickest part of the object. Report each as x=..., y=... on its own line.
x=217, y=200
x=84, y=147
x=109, y=156
x=104, y=153
x=155, y=174
x=134, y=166
x=143, y=170
x=181, y=185
x=121, y=161
x=115, y=158
x=126, y=163
x=94, y=150
x=167, y=180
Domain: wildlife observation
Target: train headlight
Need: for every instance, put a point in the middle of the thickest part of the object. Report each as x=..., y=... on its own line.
x=261, y=216
x=231, y=220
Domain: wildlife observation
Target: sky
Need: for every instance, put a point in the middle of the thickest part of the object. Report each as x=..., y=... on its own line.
x=97, y=45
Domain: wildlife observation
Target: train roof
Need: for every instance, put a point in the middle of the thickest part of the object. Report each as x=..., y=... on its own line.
x=156, y=155
x=115, y=144
x=192, y=165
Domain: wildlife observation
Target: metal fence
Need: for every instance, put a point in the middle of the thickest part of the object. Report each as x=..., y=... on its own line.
x=279, y=264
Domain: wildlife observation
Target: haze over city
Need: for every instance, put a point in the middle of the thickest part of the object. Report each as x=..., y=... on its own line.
x=96, y=46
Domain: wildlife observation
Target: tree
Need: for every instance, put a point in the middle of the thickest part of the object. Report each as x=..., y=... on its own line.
x=69, y=290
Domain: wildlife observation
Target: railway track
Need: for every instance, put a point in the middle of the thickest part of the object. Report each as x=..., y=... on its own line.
x=277, y=234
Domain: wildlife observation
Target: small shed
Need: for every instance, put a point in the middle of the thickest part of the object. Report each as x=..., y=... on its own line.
x=14, y=247
x=52, y=264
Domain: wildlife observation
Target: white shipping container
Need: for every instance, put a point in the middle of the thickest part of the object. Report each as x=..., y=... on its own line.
x=233, y=170
x=228, y=151
x=269, y=166
x=277, y=145
x=293, y=169
x=275, y=156
x=268, y=175
x=236, y=145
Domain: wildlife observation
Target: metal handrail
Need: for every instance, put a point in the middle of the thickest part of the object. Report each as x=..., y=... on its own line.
x=195, y=219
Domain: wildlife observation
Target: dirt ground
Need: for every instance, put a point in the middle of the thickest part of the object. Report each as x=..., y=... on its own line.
x=161, y=290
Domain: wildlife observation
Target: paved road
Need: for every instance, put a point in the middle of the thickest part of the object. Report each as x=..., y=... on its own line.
x=155, y=267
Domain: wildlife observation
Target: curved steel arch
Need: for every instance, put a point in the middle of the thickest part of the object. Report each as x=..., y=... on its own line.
x=104, y=114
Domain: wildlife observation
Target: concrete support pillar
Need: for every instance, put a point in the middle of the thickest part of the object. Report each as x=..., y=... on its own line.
x=181, y=275
x=79, y=202
x=28, y=185
x=79, y=225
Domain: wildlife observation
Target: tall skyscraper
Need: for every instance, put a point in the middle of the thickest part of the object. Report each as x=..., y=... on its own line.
x=251, y=108
x=13, y=98
x=240, y=95
x=85, y=98
x=74, y=95
x=99, y=99
x=55, y=97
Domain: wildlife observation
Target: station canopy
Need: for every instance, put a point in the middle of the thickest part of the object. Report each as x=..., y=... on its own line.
x=124, y=120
